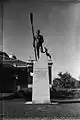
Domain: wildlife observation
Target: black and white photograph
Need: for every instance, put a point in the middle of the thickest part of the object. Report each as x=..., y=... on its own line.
x=39, y=59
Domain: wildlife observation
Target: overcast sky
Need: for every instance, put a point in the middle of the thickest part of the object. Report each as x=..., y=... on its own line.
x=59, y=23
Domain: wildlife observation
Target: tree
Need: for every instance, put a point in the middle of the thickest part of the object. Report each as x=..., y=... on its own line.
x=57, y=82
x=65, y=80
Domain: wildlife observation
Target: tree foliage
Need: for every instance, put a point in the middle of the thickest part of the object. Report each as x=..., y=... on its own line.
x=65, y=80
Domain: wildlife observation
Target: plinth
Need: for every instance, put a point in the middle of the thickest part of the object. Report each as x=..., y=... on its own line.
x=40, y=88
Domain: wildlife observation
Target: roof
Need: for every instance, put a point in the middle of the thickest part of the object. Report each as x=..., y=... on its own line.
x=12, y=61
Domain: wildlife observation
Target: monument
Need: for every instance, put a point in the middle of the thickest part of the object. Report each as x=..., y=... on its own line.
x=41, y=86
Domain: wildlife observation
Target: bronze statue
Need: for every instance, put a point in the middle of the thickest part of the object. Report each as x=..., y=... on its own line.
x=37, y=43
x=38, y=40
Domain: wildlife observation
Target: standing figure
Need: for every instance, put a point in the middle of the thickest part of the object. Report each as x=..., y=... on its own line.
x=37, y=43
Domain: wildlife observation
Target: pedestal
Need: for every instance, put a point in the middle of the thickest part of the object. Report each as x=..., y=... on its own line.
x=40, y=88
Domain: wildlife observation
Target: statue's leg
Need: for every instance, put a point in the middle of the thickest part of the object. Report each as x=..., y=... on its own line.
x=35, y=54
x=42, y=49
x=38, y=52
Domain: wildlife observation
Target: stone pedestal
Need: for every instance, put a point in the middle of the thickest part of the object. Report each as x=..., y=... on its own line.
x=40, y=88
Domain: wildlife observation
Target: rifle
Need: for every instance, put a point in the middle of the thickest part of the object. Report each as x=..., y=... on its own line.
x=31, y=20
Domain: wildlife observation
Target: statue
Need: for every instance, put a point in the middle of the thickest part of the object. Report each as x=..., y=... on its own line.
x=37, y=43
x=37, y=39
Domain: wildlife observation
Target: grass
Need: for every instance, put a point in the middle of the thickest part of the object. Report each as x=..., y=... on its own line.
x=18, y=109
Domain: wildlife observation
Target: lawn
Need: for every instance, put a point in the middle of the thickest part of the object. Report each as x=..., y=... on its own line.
x=18, y=109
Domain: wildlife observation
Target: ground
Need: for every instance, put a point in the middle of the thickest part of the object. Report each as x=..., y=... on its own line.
x=18, y=109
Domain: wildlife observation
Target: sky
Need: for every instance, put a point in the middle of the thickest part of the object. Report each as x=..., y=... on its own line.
x=59, y=23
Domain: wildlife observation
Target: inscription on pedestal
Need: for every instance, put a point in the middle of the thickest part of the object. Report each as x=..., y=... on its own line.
x=40, y=74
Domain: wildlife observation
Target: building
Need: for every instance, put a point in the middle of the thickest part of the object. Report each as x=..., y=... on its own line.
x=13, y=73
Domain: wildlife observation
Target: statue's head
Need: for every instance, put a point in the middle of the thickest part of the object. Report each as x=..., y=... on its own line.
x=38, y=31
